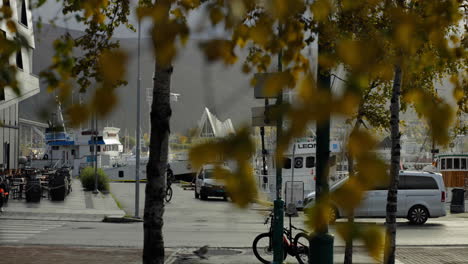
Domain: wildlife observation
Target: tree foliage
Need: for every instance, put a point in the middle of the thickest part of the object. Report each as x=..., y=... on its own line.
x=367, y=37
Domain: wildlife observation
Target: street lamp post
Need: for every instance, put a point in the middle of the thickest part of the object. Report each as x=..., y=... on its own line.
x=137, y=161
x=95, y=143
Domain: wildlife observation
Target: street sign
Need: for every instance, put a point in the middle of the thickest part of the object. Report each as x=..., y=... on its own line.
x=262, y=117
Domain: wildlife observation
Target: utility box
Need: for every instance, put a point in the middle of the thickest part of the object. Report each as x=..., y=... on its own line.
x=457, y=204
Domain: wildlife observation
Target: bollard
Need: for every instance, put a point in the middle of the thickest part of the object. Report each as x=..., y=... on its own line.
x=321, y=248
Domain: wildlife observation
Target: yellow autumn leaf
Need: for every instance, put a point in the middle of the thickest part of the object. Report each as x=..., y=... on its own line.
x=103, y=101
x=321, y=9
x=11, y=26
x=78, y=114
x=307, y=88
x=165, y=53
x=373, y=237
x=276, y=82
x=112, y=65
x=261, y=33
x=219, y=49
x=371, y=171
x=318, y=216
x=347, y=104
x=404, y=35
x=349, y=195
x=216, y=15
x=177, y=13
x=347, y=231
x=358, y=139
x=6, y=11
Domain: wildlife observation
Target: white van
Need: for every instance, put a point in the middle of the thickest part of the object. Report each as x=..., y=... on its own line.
x=421, y=195
x=206, y=185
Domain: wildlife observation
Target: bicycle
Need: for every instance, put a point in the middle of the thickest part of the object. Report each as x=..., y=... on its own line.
x=170, y=179
x=298, y=247
x=168, y=196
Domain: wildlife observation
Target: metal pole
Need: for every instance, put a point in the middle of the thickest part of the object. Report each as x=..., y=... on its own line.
x=137, y=165
x=292, y=172
x=278, y=211
x=321, y=243
x=95, y=136
x=262, y=134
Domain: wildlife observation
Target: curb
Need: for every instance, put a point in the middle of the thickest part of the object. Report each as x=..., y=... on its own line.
x=121, y=219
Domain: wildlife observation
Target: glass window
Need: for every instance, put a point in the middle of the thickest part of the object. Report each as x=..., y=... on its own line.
x=310, y=162
x=417, y=182
x=384, y=186
x=91, y=148
x=24, y=17
x=463, y=164
x=19, y=60
x=443, y=164
x=449, y=164
x=298, y=162
x=287, y=163
x=208, y=174
x=456, y=163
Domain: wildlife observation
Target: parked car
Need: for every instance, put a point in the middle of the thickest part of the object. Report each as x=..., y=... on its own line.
x=206, y=185
x=421, y=195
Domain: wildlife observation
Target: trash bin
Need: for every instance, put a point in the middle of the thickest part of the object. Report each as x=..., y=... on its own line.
x=33, y=190
x=457, y=204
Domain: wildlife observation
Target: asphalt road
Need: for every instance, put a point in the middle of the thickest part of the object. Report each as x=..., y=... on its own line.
x=190, y=222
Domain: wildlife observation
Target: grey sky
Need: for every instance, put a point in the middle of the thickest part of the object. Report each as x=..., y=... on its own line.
x=52, y=10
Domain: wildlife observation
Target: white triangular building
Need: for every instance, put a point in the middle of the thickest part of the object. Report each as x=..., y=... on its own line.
x=210, y=126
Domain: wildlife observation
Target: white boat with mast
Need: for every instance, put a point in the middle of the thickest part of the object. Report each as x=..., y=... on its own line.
x=76, y=150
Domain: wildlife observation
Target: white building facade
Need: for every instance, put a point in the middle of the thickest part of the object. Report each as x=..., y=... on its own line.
x=29, y=84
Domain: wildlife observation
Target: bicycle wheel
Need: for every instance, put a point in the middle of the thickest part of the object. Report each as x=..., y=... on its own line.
x=301, y=245
x=263, y=248
x=168, y=194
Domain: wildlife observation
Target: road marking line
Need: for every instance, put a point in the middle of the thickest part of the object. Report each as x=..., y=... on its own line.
x=8, y=241
x=14, y=237
x=20, y=231
x=29, y=228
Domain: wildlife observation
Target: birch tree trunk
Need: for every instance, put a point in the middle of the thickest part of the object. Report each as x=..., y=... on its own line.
x=348, y=255
x=389, y=255
x=153, y=250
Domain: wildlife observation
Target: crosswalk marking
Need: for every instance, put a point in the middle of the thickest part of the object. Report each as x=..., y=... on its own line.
x=13, y=231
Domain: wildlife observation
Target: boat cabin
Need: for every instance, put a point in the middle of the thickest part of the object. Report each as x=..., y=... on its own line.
x=454, y=169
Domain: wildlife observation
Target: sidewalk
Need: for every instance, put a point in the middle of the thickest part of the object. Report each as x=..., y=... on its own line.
x=78, y=206
x=456, y=215
x=246, y=256
x=86, y=255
